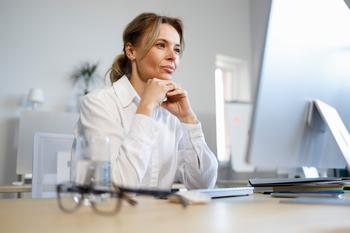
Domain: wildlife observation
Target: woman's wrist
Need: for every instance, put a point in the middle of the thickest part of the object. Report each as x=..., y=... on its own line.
x=146, y=109
x=190, y=119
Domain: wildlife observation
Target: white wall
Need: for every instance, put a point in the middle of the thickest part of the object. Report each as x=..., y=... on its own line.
x=41, y=41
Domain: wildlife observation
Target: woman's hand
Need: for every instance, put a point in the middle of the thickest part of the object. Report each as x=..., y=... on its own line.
x=154, y=94
x=178, y=104
x=176, y=100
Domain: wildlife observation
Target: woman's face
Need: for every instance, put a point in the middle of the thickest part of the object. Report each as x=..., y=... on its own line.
x=162, y=59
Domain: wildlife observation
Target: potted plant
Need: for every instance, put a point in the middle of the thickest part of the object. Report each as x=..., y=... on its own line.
x=87, y=73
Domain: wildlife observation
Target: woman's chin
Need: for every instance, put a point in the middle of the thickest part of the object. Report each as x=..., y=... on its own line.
x=165, y=77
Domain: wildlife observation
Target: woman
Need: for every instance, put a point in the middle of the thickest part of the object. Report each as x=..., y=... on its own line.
x=156, y=137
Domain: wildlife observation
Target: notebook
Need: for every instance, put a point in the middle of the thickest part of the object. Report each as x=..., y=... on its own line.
x=298, y=185
x=263, y=182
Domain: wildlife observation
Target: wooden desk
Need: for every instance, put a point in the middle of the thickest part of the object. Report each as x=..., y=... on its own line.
x=235, y=215
x=19, y=189
x=15, y=188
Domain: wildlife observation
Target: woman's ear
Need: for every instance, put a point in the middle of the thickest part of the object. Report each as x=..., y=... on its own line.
x=130, y=51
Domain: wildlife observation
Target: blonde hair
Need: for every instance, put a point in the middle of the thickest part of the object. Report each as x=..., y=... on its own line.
x=144, y=23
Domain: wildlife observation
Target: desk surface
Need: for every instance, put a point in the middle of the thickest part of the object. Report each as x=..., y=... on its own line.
x=15, y=188
x=255, y=213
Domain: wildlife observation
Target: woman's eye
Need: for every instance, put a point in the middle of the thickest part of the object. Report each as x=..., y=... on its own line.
x=160, y=45
x=177, y=50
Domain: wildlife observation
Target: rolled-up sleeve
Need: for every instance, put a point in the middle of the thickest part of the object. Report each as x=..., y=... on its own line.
x=197, y=166
x=130, y=151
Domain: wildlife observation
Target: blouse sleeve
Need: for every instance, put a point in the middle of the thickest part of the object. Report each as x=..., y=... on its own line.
x=197, y=166
x=130, y=151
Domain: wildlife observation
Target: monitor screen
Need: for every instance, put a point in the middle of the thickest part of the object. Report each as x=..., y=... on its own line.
x=33, y=122
x=306, y=57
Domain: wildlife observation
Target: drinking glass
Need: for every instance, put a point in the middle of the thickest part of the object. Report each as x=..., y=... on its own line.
x=90, y=163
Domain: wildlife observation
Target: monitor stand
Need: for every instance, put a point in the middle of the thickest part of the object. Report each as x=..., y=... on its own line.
x=322, y=115
x=302, y=172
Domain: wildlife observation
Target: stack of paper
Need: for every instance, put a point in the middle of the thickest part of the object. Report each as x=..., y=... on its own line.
x=285, y=187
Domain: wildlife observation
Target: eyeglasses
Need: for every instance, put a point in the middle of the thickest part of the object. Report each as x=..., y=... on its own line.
x=103, y=201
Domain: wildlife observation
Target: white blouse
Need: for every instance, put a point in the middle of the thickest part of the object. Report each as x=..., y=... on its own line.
x=150, y=152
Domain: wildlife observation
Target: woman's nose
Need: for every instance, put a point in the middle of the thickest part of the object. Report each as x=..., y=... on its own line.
x=171, y=55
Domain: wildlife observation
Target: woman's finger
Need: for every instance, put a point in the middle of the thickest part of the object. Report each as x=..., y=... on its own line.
x=176, y=92
x=171, y=87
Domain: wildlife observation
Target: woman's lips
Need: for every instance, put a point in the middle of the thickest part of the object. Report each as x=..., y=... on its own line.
x=168, y=69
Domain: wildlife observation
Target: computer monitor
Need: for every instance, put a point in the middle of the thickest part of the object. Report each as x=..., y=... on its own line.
x=33, y=122
x=306, y=57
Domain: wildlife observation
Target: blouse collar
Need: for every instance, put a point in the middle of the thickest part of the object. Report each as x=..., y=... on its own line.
x=125, y=91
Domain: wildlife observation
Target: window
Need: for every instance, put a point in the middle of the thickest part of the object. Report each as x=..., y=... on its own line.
x=233, y=107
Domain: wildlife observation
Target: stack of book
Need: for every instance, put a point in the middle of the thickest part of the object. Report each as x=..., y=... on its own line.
x=301, y=187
